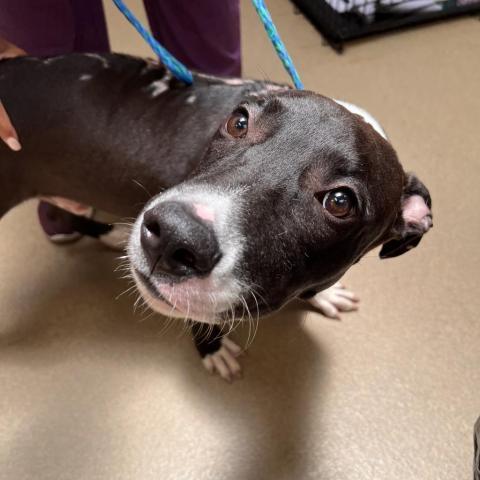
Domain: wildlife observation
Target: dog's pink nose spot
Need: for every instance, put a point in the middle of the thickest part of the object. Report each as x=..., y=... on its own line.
x=204, y=212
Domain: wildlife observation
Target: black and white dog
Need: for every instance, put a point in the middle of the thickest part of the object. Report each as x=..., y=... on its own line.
x=267, y=193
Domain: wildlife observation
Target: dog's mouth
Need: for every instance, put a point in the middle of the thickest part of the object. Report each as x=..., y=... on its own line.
x=189, y=299
x=151, y=290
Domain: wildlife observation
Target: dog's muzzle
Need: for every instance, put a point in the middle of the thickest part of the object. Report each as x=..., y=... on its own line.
x=184, y=252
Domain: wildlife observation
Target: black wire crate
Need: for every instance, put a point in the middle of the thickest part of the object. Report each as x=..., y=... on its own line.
x=343, y=20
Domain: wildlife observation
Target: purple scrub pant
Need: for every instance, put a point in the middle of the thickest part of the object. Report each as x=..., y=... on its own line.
x=205, y=35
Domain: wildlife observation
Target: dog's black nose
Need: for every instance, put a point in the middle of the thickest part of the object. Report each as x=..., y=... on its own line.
x=178, y=242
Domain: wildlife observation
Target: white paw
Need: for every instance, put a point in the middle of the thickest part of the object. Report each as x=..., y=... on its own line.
x=224, y=361
x=333, y=300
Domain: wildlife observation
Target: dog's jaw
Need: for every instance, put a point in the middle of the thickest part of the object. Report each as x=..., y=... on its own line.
x=207, y=299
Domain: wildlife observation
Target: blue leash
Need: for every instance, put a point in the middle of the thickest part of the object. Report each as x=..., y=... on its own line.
x=279, y=46
x=178, y=69
x=181, y=72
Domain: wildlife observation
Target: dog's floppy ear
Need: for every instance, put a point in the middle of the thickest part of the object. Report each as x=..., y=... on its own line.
x=412, y=222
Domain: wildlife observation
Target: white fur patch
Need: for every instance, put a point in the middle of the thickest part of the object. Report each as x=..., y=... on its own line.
x=234, y=81
x=226, y=81
x=157, y=87
x=85, y=77
x=365, y=115
x=269, y=88
x=49, y=61
x=96, y=56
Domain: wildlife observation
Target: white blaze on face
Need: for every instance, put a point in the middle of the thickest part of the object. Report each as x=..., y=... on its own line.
x=203, y=298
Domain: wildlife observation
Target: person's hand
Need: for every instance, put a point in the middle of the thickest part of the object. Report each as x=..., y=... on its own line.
x=9, y=50
x=7, y=131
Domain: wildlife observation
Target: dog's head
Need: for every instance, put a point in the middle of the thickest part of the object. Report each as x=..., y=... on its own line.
x=293, y=190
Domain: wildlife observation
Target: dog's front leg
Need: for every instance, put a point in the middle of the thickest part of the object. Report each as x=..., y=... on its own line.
x=219, y=354
x=332, y=301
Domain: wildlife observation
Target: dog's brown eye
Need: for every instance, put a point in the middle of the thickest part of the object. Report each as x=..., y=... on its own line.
x=237, y=125
x=339, y=203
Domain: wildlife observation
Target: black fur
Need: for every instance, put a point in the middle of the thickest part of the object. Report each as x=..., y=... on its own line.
x=207, y=338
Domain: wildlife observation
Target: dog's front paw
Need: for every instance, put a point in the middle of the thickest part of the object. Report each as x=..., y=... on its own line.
x=334, y=300
x=224, y=361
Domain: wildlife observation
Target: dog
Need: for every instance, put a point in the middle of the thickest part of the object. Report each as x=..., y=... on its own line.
x=259, y=194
